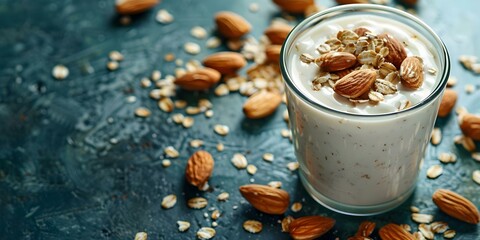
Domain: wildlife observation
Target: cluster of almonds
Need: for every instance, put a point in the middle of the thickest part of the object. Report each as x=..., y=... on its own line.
x=363, y=66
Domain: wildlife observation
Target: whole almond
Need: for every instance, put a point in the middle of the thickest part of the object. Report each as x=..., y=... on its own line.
x=273, y=52
x=394, y=232
x=261, y=104
x=365, y=229
x=448, y=102
x=356, y=83
x=129, y=7
x=199, y=168
x=361, y=31
x=278, y=33
x=200, y=79
x=351, y=1
x=336, y=61
x=310, y=227
x=265, y=198
x=470, y=125
x=396, y=51
x=456, y=206
x=294, y=6
x=411, y=72
x=225, y=62
x=231, y=25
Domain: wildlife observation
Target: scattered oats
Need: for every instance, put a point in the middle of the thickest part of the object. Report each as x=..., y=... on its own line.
x=468, y=144
x=439, y=227
x=253, y=7
x=205, y=215
x=476, y=156
x=164, y=17
x=169, y=57
x=223, y=196
x=404, y=104
x=222, y=90
x=476, y=68
x=115, y=56
x=292, y=166
x=166, y=163
x=260, y=83
x=452, y=81
x=406, y=227
x=145, y=82
x=461, y=110
x=285, y=116
x=179, y=62
x=236, y=44
x=251, y=169
x=432, y=71
x=197, y=203
x=422, y=218
x=286, y=133
x=131, y=99
x=239, y=161
x=252, y=226
x=206, y=233
x=193, y=65
x=179, y=72
x=307, y=58
x=213, y=42
x=188, y=122
x=449, y=234
x=155, y=94
x=171, y=152
x=166, y=104
x=192, y=110
x=469, y=88
x=125, y=20
x=275, y=184
x=286, y=223
x=204, y=103
x=142, y=112
x=414, y=209
x=196, y=143
x=141, y=236
x=177, y=118
x=434, y=171
x=382, y=2
x=322, y=49
x=468, y=61
x=447, y=157
x=221, y=129
x=234, y=207
x=156, y=75
x=436, y=137
x=180, y=103
x=215, y=214
x=169, y=201
x=476, y=176
x=418, y=236
x=191, y=48
x=209, y=113
x=198, y=32
x=296, y=207
x=60, y=72
x=375, y=96
x=112, y=65
x=220, y=147
x=268, y=157
x=426, y=231
x=183, y=226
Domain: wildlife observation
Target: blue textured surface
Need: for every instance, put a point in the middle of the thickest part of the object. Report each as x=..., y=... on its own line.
x=62, y=178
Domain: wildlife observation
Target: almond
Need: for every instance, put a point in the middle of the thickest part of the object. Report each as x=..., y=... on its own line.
x=200, y=79
x=278, y=33
x=310, y=227
x=335, y=61
x=265, y=198
x=361, y=31
x=273, y=53
x=129, y=7
x=261, y=104
x=225, y=62
x=294, y=6
x=396, y=51
x=448, y=101
x=365, y=229
x=411, y=72
x=351, y=1
x=456, y=206
x=199, y=168
x=356, y=83
x=470, y=125
x=231, y=25
x=394, y=232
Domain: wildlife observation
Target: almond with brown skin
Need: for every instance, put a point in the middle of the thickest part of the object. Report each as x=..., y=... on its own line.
x=294, y=6
x=336, y=61
x=356, y=83
x=365, y=229
x=396, y=50
x=273, y=52
x=278, y=33
x=130, y=7
x=361, y=31
x=199, y=168
x=200, y=79
x=225, y=62
x=394, y=232
x=456, y=206
x=265, y=198
x=470, y=125
x=231, y=25
x=448, y=102
x=411, y=72
x=261, y=104
x=310, y=227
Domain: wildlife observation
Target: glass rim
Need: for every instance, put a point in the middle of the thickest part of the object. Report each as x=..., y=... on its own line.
x=299, y=28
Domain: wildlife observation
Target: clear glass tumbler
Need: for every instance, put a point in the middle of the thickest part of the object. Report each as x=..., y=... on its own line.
x=361, y=164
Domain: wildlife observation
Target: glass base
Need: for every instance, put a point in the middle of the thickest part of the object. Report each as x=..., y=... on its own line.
x=354, y=210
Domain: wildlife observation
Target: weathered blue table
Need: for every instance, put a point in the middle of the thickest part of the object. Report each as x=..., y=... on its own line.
x=75, y=163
